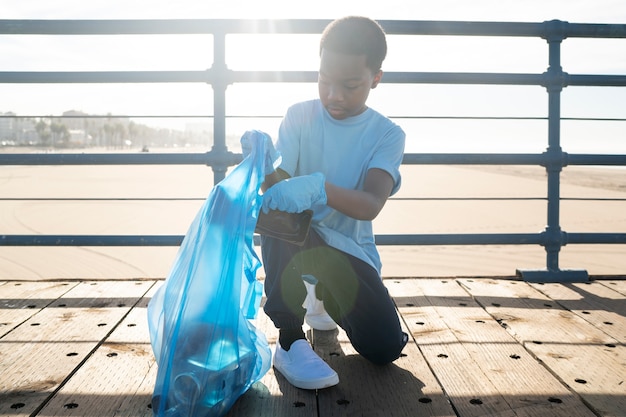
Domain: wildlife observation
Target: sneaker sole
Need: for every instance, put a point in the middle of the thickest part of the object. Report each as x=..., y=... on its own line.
x=311, y=384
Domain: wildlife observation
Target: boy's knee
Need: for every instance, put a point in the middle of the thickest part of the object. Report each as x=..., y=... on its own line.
x=383, y=353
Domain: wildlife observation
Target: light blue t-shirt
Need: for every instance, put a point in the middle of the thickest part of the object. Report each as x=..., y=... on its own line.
x=310, y=140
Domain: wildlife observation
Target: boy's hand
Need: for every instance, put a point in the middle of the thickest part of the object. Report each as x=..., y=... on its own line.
x=296, y=194
x=272, y=156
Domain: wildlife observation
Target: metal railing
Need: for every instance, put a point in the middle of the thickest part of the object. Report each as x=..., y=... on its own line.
x=219, y=76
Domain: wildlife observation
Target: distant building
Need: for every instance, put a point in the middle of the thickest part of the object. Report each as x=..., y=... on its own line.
x=74, y=119
x=17, y=131
x=7, y=126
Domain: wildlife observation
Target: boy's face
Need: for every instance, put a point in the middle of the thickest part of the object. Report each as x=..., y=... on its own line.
x=344, y=83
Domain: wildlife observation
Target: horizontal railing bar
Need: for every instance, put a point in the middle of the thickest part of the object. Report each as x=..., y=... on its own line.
x=102, y=77
x=269, y=116
x=175, y=240
x=91, y=240
x=207, y=158
x=210, y=158
x=582, y=119
x=78, y=199
x=465, y=198
x=596, y=159
x=601, y=80
x=511, y=159
x=498, y=199
x=116, y=116
x=594, y=30
x=229, y=158
x=472, y=159
x=160, y=27
x=273, y=76
x=592, y=238
x=463, y=78
x=524, y=29
x=208, y=76
x=387, y=239
x=304, y=26
x=205, y=76
x=461, y=239
x=591, y=199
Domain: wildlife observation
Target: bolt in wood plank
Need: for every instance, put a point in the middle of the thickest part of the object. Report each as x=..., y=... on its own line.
x=38, y=355
x=481, y=367
x=584, y=357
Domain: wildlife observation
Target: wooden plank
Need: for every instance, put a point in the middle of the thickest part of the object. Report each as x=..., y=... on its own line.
x=584, y=357
x=115, y=380
x=21, y=300
x=481, y=367
x=39, y=354
x=446, y=357
x=273, y=396
x=132, y=340
x=406, y=387
x=594, y=302
x=617, y=285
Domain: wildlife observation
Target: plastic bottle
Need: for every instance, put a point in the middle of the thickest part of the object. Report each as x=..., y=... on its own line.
x=208, y=377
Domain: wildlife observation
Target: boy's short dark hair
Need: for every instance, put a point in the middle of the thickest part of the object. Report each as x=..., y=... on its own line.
x=356, y=35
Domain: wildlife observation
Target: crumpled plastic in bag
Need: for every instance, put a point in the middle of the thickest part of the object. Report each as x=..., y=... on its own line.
x=207, y=349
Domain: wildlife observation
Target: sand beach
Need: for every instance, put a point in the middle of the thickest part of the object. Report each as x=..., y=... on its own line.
x=117, y=200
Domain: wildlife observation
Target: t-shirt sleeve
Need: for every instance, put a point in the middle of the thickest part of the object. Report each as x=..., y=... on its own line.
x=389, y=155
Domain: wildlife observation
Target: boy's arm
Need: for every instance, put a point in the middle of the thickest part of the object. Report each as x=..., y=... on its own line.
x=296, y=194
x=362, y=204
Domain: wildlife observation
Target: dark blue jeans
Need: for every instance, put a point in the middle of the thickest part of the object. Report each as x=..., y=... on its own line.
x=352, y=292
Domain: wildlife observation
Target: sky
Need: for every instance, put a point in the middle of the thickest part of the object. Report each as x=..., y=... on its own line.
x=182, y=52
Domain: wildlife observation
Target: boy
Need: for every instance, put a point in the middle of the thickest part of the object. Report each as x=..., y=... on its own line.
x=341, y=159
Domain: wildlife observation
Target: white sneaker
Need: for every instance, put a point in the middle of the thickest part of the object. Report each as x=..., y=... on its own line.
x=316, y=316
x=303, y=368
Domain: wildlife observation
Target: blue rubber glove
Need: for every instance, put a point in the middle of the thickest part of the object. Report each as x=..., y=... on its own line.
x=272, y=156
x=296, y=194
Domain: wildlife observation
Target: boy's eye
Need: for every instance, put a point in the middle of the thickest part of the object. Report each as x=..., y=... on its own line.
x=351, y=87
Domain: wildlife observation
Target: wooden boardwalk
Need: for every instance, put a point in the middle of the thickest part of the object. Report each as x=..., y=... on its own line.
x=479, y=347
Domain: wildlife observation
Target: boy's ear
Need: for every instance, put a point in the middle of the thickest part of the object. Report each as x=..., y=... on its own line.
x=377, y=77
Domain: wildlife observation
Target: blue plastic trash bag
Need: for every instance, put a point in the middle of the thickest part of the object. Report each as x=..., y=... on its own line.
x=207, y=350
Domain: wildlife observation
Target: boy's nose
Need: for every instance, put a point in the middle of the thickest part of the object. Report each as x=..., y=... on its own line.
x=335, y=93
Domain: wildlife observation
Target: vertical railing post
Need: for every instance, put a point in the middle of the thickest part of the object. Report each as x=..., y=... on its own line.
x=554, y=161
x=219, y=84
x=554, y=155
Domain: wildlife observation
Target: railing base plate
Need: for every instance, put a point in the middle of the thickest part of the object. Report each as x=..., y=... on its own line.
x=549, y=275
